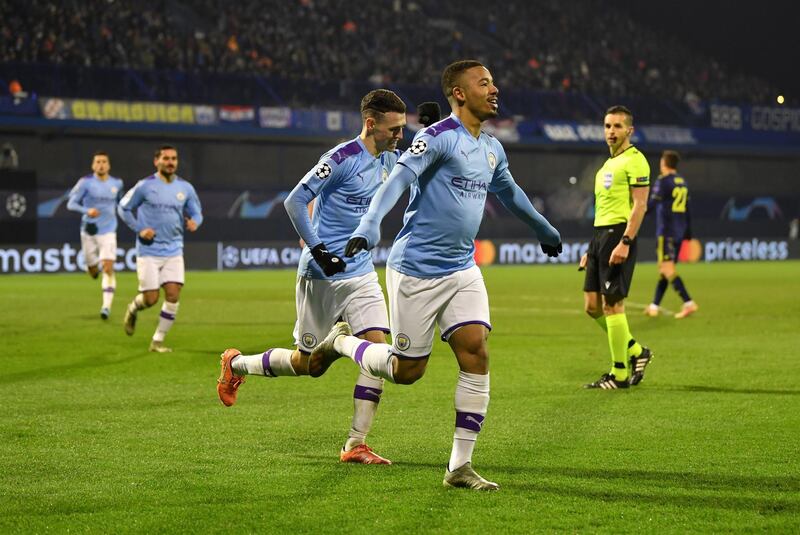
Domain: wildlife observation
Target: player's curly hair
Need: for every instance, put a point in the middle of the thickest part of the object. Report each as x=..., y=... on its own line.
x=452, y=72
x=380, y=101
x=613, y=110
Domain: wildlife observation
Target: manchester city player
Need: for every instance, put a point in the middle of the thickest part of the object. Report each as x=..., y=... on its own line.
x=96, y=197
x=670, y=199
x=432, y=277
x=620, y=188
x=342, y=183
x=164, y=204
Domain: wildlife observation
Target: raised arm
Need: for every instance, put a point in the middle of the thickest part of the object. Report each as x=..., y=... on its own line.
x=517, y=202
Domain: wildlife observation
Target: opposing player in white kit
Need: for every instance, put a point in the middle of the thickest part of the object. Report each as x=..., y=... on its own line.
x=96, y=197
x=164, y=204
x=431, y=275
x=343, y=183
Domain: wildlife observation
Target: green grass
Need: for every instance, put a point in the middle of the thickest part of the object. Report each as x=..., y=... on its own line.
x=98, y=435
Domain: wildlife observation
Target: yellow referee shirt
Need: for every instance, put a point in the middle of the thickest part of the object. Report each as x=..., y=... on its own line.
x=612, y=197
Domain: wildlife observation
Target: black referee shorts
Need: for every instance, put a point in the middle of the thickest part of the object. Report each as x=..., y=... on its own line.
x=600, y=277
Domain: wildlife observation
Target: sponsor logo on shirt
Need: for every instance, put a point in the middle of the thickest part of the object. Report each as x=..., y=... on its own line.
x=642, y=179
x=473, y=189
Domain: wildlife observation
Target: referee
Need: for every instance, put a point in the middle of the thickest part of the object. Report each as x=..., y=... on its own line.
x=621, y=187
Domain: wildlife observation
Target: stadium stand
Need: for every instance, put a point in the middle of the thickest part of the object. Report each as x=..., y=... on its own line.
x=551, y=59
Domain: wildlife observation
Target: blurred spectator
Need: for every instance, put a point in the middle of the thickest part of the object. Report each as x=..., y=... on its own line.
x=547, y=44
x=8, y=157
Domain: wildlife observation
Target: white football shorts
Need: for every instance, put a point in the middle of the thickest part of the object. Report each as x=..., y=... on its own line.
x=156, y=271
x=99, y=247
x=417, y=305
x=320, y=303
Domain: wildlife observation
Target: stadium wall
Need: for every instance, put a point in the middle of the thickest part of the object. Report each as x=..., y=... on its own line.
x=227, y=256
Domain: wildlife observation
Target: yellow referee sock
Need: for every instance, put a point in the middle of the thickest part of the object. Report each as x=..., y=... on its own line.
x=618, y=336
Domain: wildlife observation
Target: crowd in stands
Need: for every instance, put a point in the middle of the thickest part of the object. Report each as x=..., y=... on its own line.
x=577, y=46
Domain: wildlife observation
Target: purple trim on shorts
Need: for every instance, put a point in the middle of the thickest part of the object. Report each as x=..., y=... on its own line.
x=167, y=316
x=449, y=331
x=265, y=363
x=108, y=290
x=404, y=357
x=367, y=393
x=469, y=420
x=359, y=354
x=382, y=329
x=171, y=282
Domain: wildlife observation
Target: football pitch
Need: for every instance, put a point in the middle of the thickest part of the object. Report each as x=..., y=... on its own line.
x=98, y=435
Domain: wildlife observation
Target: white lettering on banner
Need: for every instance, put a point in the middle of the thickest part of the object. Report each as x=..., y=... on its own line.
x=671, y=135
x=775, y=119
x=591, y=132
x=50, y=260
x=560, y=132
x=726, y=117
x=754, y=249
x=531, y=253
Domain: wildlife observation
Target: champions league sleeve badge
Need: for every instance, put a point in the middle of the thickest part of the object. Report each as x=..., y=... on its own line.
x=323, y=171
x=418, y=147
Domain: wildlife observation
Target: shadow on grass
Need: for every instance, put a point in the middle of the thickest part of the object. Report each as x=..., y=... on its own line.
x=724, y=390
x=651, y=479
x=98, y=361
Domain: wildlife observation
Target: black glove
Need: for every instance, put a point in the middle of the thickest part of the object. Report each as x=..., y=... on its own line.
x=551, y=250
x=145, y=241
x=429, y=113
x=91, y=229
x=330, y=263
x=355, y=246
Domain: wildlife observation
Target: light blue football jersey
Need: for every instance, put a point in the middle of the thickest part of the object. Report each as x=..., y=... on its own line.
x=343, y=182
x=91, y=192
x=161, y=206
x=454, y=173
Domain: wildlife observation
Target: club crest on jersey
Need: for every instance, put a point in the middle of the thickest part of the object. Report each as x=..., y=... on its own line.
x=608, y=179
x=323, y=171
x=492, y=161
x=114, y=190
x=418, y=147
x=180, y=196
x=384, y=174
x=309, y=340
x=402, y=342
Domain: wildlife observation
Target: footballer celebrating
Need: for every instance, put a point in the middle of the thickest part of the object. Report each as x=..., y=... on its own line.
x=341, y=186
x=164, y=204
x=96, y=197
x=432, y=277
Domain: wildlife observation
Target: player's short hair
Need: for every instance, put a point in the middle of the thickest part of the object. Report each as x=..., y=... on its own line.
x=613, y=110
x=163, y=148
x=671, y=158
x=453, y=72
x=380, y=101
x=101, y=153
